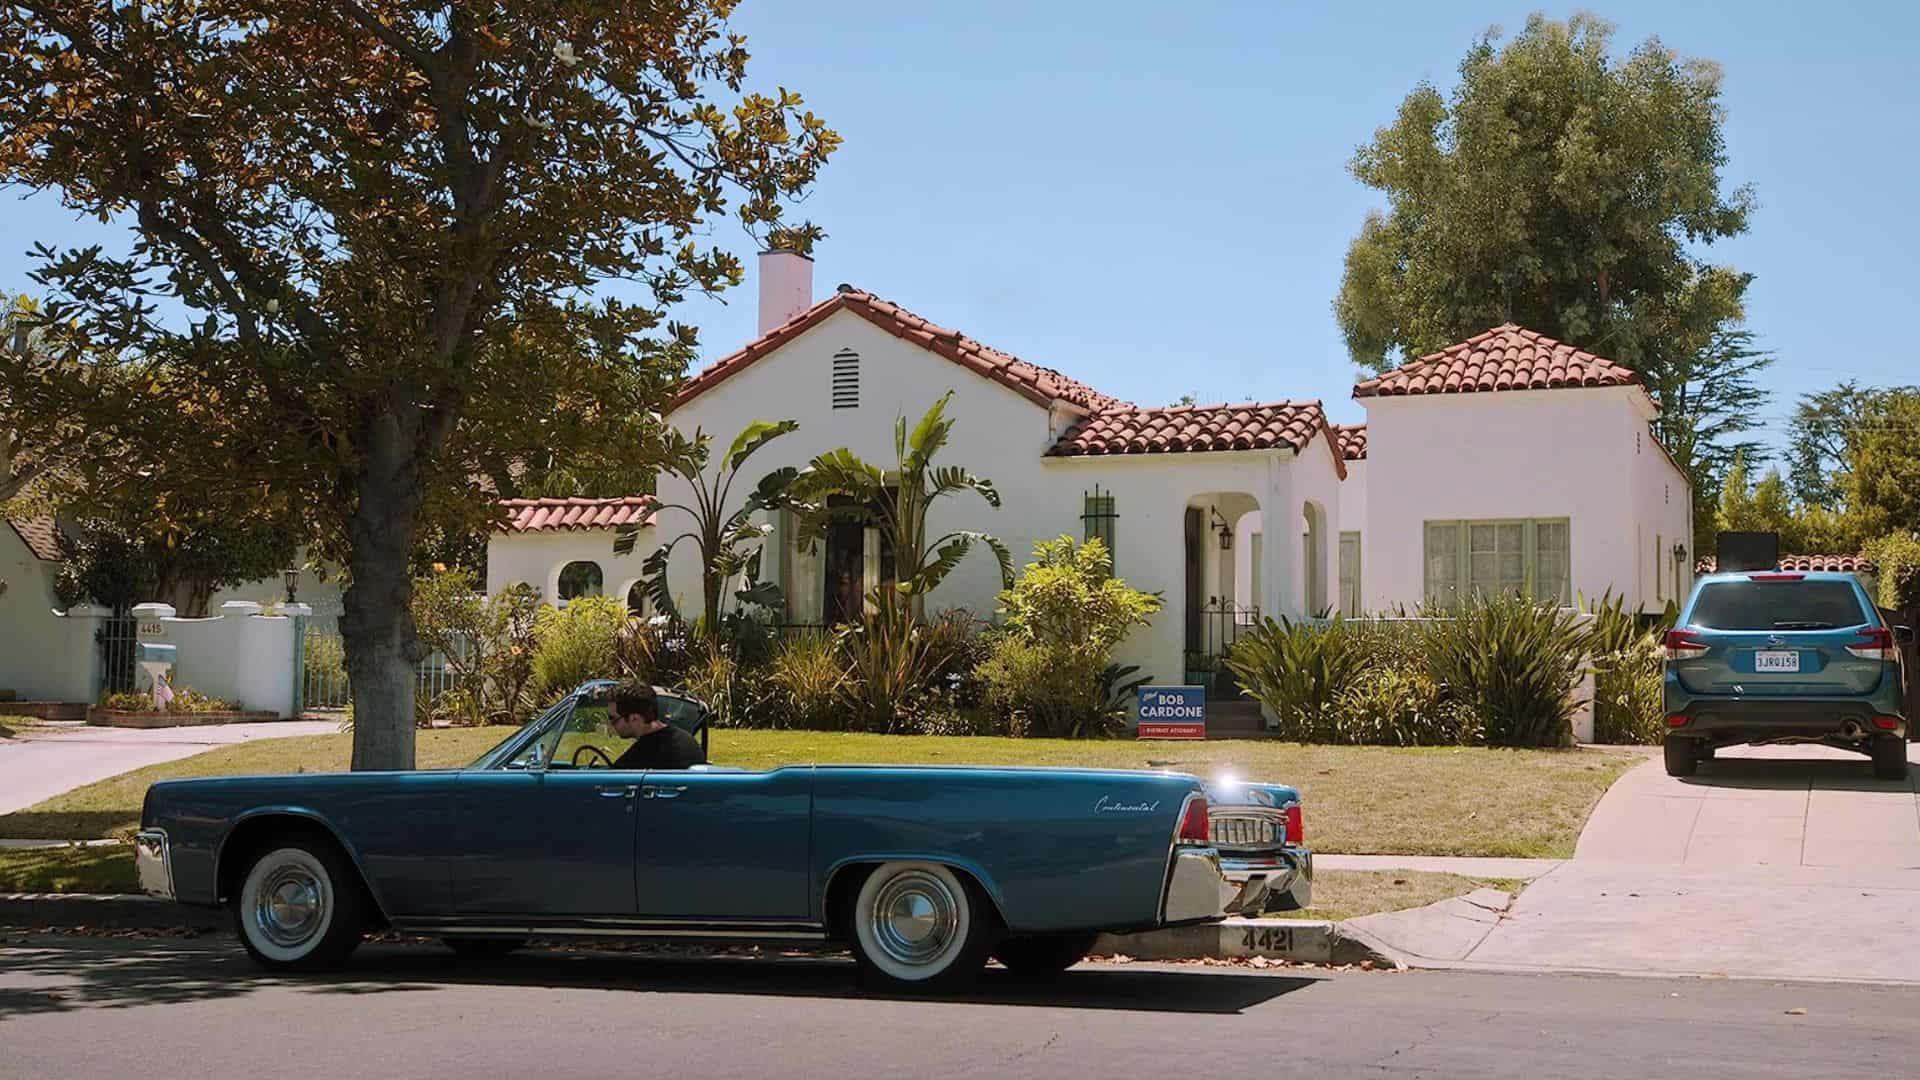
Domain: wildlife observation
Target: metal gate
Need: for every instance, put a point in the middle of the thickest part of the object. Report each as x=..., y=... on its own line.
x=323, y=675
x=118, y=638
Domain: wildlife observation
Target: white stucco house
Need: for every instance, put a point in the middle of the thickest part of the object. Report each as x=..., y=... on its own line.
x=1508, y=460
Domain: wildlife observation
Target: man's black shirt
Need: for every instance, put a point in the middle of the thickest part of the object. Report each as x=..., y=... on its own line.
x=668, y=748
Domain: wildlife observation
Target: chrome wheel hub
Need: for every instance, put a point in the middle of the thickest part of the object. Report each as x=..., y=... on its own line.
x=915, y=916
x=290, y=905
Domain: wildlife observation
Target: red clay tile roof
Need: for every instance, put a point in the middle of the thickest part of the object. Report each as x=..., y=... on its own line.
x=554, y=515
x=1196, y=429
x=1839, y=564
x=1504, y=358
x=1353, y=441
x=41, y=536
x=1041, y=385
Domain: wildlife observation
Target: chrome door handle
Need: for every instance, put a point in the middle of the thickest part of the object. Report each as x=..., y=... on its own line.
x=618, y=791
x=661, y=791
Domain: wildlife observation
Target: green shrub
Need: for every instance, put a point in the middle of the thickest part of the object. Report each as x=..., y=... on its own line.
x=1897, y=559
x=1300, y=671
x=1043, y=673
x=1386, y=705
x=1514, y=663
x=575, y=643
x=888, y=662
x=806, y=677
x=184, y=701
x=325, y=659
x=1627, y=656
x=657, y=651
x=714, y=679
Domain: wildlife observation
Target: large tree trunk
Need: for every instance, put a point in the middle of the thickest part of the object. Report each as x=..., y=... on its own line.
x=376, y=625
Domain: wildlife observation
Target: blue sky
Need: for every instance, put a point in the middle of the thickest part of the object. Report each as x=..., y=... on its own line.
x=1153, y=198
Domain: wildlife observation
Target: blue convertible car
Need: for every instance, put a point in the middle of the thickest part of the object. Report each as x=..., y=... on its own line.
x=924, y=872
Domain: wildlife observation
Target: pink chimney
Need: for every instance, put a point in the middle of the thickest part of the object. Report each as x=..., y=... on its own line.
x=786, y=287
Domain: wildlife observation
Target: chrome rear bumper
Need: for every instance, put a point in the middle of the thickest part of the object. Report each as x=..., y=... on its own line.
x=153, y=863
x=1200, y=887
x=1282, y=881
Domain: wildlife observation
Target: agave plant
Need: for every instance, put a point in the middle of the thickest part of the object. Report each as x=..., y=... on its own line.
x=728, y=542
x=1514, y=662
x=839, y=486
x=1300, y=670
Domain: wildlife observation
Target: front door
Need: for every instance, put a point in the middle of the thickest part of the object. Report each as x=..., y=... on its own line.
x=724, y=846
x=1196, y=529
x=552, y=835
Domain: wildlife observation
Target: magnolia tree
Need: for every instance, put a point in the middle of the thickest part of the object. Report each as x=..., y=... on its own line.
x=378, y=232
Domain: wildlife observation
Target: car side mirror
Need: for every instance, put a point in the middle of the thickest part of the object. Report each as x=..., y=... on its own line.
x=1903, y=634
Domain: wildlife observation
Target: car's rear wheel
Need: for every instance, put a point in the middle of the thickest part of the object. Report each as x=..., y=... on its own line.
x=483, y=948
x=300, y=906
x=1683, y=755
x=1043, y=954
x=1889, y=757
x=921, y=924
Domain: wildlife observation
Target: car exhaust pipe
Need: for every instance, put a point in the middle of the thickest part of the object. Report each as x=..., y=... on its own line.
x=1852, y=729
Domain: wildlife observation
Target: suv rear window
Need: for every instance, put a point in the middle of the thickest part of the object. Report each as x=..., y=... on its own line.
x=1777, y=605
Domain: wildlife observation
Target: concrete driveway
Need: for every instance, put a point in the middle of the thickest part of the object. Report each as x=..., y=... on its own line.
x=1761, y=806
x=1773, y=862
x=49, y=762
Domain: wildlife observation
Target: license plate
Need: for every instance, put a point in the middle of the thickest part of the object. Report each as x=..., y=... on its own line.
x=1776, y=661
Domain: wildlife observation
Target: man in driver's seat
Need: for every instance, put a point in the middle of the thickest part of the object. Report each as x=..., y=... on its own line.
x=633, y=711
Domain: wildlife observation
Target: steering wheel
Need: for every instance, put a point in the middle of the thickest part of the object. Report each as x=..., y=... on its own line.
x=586, y=748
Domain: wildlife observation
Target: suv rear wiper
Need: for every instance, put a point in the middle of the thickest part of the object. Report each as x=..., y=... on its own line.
x=1789, y=624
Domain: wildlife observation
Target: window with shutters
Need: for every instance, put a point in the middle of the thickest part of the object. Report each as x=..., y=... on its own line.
x=1528, y=556
x=846, y=379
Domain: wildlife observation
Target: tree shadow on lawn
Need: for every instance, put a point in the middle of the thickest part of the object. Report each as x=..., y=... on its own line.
x=65, y=825
x=96, y=973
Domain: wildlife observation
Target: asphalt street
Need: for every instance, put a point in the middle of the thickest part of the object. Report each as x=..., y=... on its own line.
x=75, y=1006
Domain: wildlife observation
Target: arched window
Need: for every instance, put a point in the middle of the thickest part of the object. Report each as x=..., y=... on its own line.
x=580, y=578
x=637, y=599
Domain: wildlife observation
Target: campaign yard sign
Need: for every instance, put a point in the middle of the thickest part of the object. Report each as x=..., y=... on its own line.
x=1172, y=712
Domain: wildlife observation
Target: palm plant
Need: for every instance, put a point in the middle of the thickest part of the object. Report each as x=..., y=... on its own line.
x=839, y=486
x=728, y=542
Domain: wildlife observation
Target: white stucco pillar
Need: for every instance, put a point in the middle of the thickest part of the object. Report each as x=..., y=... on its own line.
x=1281, y=547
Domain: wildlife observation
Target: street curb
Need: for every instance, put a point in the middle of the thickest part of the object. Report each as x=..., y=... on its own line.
x=1301, y=941
x=106, y=911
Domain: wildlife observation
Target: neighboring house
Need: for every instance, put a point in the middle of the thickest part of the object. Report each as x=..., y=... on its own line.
x=1507, y=460
x=33, y=647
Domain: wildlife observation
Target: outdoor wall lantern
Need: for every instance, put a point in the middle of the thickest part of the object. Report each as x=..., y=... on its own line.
x=1224, y=526
x=291, y=575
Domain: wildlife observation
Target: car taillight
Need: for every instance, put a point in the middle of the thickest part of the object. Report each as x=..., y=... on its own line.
x=1684, y=645
x=1886, y=723
x=1194, y=826
x=1296, y=824
x=1873, y=644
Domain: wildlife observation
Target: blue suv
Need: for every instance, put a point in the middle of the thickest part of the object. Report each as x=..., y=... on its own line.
x=1778, y=657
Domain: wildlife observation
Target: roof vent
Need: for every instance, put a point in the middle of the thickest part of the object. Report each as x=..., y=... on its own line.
x=846, y=379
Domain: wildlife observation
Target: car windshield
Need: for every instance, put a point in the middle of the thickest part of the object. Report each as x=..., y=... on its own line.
x=1777, y=605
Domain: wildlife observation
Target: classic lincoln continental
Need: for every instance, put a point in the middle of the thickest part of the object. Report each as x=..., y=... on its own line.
x=924, y=872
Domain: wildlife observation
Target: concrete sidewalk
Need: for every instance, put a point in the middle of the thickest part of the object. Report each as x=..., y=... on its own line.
x=1465, y=866
x=1773, y=862
x=40, y=766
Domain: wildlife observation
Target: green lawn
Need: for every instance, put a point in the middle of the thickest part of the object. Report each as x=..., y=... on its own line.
x=1375, y=800
x=1337, y=894
x=97, y=868
x=1349, y=894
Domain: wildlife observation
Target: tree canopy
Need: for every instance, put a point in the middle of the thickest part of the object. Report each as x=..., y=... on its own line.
x=391, y=225
x=1557, y=188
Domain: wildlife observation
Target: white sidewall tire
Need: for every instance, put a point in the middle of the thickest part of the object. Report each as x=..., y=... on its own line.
x=866, y=936
x=257, y=874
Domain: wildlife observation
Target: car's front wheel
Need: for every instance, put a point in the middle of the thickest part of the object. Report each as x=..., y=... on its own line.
x=921, y=924
x=1889, y=757
x=1682, y=754
x=300, y=906
x=1043, y=954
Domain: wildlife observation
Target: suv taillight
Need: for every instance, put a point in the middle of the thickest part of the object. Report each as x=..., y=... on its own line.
x=1684, y=645
x=1875, y=643
x=1296, y=824
x=1195, y=828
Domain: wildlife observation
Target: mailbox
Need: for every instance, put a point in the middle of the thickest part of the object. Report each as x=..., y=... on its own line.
x=154, y=652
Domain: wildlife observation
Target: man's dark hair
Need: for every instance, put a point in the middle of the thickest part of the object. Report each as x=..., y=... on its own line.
x=635, y=699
